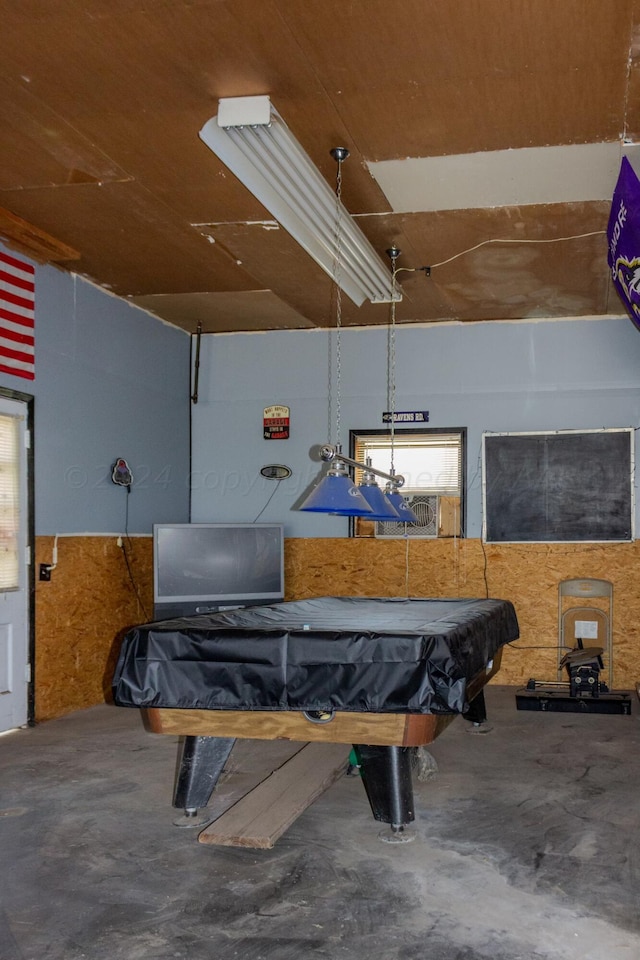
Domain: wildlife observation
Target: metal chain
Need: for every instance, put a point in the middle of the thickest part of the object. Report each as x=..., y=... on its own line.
x=330, y=385
x=338, y=294
x=391, y=361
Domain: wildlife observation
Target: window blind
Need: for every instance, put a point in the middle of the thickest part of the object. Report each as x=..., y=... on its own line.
x=428, y=463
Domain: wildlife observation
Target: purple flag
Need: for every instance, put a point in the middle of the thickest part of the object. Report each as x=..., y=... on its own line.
x=623, y=235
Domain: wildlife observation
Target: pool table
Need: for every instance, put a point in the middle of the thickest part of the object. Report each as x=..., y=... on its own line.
x=386, y=675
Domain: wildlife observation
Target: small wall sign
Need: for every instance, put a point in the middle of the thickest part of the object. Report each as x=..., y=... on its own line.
x=406, y=416
x=276, y=422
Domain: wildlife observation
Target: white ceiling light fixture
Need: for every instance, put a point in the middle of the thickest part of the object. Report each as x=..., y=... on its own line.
x=251, y=138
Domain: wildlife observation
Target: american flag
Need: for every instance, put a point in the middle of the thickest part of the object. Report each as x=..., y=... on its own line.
x=17, y=317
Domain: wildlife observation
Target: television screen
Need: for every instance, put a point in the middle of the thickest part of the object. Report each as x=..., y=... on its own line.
x=202, y=567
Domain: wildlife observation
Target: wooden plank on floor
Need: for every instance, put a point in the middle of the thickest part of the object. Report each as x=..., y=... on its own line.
x=263, y=815
x=250, y=762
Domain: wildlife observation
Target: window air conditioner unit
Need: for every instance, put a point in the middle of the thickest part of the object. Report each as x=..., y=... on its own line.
x=426, y=508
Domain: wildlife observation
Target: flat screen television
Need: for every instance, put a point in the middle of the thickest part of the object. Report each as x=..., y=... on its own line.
x=206, y=567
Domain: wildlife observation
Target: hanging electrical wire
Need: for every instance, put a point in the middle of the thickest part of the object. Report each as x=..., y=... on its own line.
x=483, y=243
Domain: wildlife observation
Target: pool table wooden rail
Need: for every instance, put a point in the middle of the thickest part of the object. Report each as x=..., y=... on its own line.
x=382, y=729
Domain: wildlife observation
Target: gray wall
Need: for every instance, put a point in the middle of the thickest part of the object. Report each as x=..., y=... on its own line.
x=111, y=381
x=487, y=377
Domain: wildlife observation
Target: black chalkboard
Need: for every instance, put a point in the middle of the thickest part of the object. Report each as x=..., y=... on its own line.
x=550, y=487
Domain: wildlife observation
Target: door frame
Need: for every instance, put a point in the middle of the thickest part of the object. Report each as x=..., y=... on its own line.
x=29, y=402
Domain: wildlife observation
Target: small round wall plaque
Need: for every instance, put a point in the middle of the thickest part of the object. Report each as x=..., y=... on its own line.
x=275, y=471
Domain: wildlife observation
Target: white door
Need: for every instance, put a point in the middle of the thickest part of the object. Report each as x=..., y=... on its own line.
x=14, y=565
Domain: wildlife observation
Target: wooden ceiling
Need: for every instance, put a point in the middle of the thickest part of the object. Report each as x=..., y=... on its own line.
x=101, y=104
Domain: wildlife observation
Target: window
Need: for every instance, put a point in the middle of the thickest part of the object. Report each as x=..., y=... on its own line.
x=432, y=463
x=9, y=503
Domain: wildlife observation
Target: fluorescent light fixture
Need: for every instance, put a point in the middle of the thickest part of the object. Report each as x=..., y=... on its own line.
x=251, y=138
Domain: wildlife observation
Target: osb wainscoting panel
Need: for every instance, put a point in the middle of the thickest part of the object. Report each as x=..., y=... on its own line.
x=90, y=599
x=80, y=614
x=526, y=574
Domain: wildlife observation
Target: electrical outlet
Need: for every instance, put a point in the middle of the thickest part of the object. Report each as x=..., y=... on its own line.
x=45, y=572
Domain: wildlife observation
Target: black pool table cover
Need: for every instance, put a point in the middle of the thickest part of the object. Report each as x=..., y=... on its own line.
x=358, y=654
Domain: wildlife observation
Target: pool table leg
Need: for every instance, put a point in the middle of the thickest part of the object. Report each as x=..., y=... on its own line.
x=477, y=712
x=201, y=760
x=386, y=775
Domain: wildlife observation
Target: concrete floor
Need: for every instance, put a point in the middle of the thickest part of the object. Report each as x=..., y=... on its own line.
x=527, y=848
